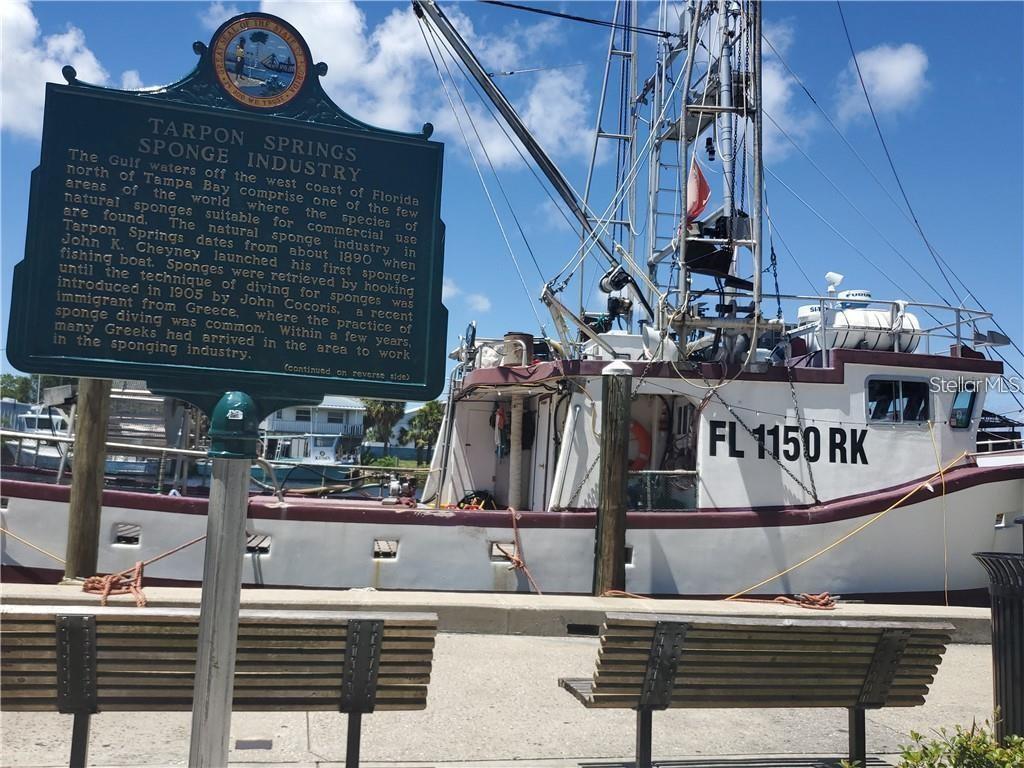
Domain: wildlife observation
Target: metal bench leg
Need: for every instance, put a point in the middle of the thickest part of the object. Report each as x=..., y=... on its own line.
x=355, y=728
x=76, y=678
x=858, y=736
x=80, y=740
x=644, y=733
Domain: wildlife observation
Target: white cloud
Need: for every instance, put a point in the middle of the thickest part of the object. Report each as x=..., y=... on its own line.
x=556, y=112
x=777, y=91
x=384, y=75
x=216, y=14
x=780, y=33
x=449, y=290
x=552, y=217
x=893, y=75
x=28, y=60
x=478, y=302
x=131, y=80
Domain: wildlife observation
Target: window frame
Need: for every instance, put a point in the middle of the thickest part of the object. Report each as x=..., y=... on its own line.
x=973, y=392
x=308, y=414
x=901, y=380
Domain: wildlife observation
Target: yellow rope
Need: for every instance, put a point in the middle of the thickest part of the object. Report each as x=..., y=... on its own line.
x=855, y=531
x=945, y=541
x=30, y=544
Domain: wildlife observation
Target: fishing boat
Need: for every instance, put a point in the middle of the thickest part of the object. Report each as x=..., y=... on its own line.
x=830, y=441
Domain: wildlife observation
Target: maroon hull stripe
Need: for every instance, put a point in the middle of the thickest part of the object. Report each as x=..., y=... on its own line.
x=358, y=511
x=505, y=376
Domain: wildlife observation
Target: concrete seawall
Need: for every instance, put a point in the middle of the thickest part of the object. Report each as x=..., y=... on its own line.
x=514, y=614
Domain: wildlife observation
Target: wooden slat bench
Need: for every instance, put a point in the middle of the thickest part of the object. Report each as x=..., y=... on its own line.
x=650, y=662
x=84, y=660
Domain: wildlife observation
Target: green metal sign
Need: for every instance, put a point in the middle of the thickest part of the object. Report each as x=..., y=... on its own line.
x=233, y=231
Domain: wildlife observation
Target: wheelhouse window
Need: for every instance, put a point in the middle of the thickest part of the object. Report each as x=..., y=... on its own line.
x=963, y=409
x=897, y=401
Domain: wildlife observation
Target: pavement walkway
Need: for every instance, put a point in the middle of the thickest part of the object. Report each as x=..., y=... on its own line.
x=494, y=702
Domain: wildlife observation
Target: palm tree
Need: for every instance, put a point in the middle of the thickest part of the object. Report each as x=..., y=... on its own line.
x=259, y=38
x=425, y=426
x=382, y=416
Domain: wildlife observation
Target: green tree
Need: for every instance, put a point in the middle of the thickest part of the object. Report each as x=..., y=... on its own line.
x=424, y=427
x=18, y=387
x=382, y=416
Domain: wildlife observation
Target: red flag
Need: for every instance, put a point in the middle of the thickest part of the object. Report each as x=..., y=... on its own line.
x=698, y=192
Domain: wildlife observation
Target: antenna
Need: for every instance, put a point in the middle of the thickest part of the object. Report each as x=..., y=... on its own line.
x=833, y=279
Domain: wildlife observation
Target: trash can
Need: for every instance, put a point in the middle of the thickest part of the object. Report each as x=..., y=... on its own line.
x=1006, y=587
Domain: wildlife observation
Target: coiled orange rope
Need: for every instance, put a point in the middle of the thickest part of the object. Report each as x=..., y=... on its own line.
x=129, y=582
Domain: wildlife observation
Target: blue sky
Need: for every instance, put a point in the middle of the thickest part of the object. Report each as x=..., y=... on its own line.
x=945, y=77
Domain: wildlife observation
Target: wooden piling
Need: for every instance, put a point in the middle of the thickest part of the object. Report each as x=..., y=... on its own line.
x=87, y=471
x=610, y=544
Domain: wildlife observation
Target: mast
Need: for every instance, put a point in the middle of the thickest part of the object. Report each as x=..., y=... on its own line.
x=683, y=285
x=725, y=118
x=756, y=231
x=659, y=244
x=624, y=133
x=729, y=97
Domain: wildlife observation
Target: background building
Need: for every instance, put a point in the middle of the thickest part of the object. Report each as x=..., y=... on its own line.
x=288, y=431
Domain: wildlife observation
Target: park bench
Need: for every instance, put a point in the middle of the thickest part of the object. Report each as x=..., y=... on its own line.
x=650, y=662
x=84, y=660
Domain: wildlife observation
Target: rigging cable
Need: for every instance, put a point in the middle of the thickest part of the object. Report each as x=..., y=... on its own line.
x=483, y=183
x=582, y=19
x=843, y=237
x=859, y=212
x=939, y=262
x=888, y=194
x=508, y=72
x=584, y=250
x=778, y=234
x=773, y=231
x=515, y=143
x=596, y=233
x=888, y=156
x=490, y=164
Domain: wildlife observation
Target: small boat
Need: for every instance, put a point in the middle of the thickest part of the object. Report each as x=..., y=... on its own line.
x=309, y=460
x=44, y=421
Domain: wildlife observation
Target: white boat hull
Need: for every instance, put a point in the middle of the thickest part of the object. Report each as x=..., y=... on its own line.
x=922, y=547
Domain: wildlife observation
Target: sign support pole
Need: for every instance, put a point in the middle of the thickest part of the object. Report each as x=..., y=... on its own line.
x=610, y=543
x=234, y=439
x=89, y=462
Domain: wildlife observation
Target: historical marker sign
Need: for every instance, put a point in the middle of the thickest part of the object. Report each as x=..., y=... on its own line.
x=233, y=231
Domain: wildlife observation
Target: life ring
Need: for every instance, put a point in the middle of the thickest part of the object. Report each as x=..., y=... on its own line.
x=639, y=446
